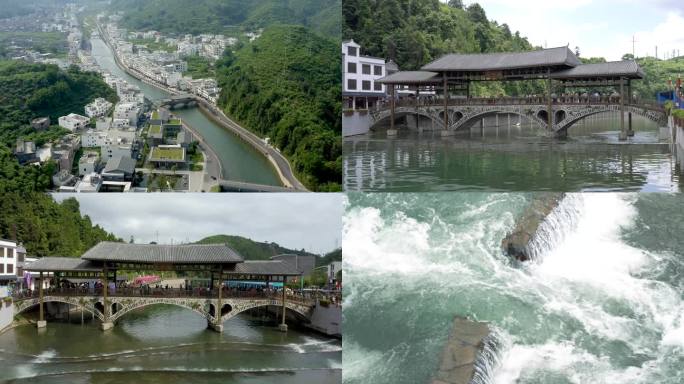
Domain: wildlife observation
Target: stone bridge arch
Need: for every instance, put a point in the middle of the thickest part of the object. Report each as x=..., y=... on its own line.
x=473, y=114
x=301, y=310
x=86, y=303
x=386, y=115
x=573, y=116
x=126, y=305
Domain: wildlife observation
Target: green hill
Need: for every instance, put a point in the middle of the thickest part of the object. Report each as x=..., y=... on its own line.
x=32, y=90
x=214, y=16
x=47, y=228
x=253, y=250
x=657, y=72
x=286, y=86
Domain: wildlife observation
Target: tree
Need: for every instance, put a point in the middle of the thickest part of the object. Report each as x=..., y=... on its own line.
x=577, y=51
x=627, y=56
x=456, y=4
x=477, y=14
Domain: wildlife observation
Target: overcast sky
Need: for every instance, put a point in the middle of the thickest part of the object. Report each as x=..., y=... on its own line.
x=598, y=27
x=295, y=220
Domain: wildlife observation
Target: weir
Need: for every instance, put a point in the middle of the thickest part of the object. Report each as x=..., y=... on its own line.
x=466, y=354
x=543, y=225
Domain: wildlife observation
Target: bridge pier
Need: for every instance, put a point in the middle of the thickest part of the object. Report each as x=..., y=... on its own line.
x=215, y=327
x=106, y=326
x=446, y=133
x=630, y=131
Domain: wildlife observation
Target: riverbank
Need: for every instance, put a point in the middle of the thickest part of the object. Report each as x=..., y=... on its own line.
x=276, y=159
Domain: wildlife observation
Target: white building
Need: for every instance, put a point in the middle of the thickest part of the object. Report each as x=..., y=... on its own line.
x=360, y=89
x=11, y=261
x=73, y=122
x=93, y=138
x=91, y=183
x=128, y=111
x=98, y=108
x=114, y=148
x=88, y=163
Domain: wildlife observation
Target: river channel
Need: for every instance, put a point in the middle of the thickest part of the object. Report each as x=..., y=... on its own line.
x=167, y=344
x=513, y=158
x=240, y=162
x=603, y=303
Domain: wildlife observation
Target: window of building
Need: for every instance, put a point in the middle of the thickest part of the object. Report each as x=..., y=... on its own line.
x=377, y=70
x=351, y=67
x=351, y=51
x=365, y=69
x=20, y=271
x=2, y=252
x=10, y=253
x=366, y=85
x=20, y=257
x=377, y=87
x=10, y=268
x=351, y=84
x=2, y=268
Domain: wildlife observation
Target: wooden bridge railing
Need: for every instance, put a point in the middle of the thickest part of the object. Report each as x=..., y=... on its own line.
x=532, y=100
x=227, y=293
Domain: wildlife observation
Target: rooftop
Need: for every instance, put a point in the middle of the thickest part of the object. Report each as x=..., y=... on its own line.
x=155, y=253
x=561, y=56
x=155, y=129
x=410, y=77
x=627, y=68
x=267, y=267
x=167, y=154
x=57, y=264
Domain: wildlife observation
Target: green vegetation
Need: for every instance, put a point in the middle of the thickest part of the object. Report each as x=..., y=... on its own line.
x=286, y=85
x=164, y=154
x=152, y=45
x=155, y=115
x=218, y=16
x=173, y=122
x=200, y=67
x=657, y=72
x=43, y=42
x=47, y=228
x=28, y=91
x=155, y=129
x=253, y=250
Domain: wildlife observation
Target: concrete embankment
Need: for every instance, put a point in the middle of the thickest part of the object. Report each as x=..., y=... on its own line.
x=461, y=352
x=516, y=243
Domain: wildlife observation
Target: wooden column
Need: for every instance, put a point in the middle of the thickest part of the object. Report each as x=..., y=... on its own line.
x=549, y=99
x=220, y=305
x=446, y=102
x=40, y=290
x=104, y=294
x=283, y=327
x=623, y=133
x=392, y=106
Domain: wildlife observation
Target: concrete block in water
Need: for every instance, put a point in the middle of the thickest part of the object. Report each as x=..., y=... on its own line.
x=460, y=354
x=515, y=244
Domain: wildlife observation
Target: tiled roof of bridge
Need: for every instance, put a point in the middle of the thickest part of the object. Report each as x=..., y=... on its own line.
x=627, y=68
x=58, y=264
x=561, y=56
x=410, y=77
x=267, y=267
x=155, y=253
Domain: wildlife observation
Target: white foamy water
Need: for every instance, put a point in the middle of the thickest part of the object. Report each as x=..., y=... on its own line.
x=582, y=312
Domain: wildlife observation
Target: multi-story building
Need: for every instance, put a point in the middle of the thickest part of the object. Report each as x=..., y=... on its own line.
x=88, y=163
x=360, y=89
x=11, y=261
x=73, y=122
x=98, y=108
x=128, y=111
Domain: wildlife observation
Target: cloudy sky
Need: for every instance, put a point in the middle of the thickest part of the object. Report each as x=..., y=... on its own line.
x=598, y=27
x=310, y=221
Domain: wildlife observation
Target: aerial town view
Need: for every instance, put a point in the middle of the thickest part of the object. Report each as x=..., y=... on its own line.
x=124, y=288
x=133, y=96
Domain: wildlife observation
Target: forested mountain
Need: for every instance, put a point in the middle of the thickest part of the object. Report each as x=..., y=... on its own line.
x=47, y=228
x=32, y=90
x=286, y=86
x=414, y=33
x=658, y=72
x=213, y=16
x=255, y=250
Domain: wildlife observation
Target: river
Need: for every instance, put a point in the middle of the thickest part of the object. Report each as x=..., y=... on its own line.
x=510, y=158
x=240, y=162
x=167, y=344
x=603, y=304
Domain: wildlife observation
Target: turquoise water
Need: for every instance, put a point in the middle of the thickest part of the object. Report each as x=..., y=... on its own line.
x=510, y=158
x=240, y=161
x=604, y=303
x=167, y=344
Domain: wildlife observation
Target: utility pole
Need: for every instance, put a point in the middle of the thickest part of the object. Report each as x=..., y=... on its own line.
x=656, y=52
x=633, y=46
